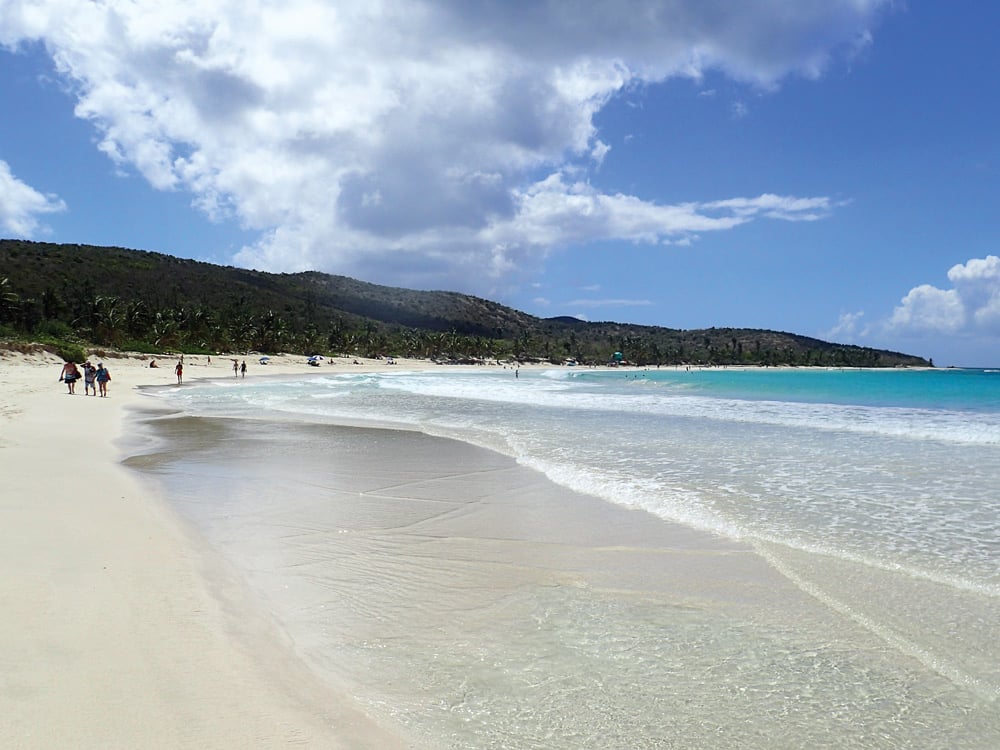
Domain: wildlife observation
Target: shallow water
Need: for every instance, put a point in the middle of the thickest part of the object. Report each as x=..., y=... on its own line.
x=836, y=584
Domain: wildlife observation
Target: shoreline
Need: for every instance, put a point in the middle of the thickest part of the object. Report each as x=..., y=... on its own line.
x=128, y=627
x=114, y=636
x=124, y=628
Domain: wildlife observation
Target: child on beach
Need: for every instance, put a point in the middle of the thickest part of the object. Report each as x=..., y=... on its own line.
x=69, y=375
x=102, y=376
x=179, y=371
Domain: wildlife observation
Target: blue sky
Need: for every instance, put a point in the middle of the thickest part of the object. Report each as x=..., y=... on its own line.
x=824, y=167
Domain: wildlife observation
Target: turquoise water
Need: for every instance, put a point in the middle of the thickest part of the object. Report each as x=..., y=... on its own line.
x=972, y=390
x=873, y=495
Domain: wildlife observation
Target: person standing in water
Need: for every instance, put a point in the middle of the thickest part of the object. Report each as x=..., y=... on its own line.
x=179, y=371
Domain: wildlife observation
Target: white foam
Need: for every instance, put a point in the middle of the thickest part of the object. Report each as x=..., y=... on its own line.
x=888, y=486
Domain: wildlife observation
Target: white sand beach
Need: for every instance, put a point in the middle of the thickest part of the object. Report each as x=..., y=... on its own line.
x=111, y=635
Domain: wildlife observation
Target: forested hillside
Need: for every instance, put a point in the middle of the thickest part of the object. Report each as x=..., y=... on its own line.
x=81, y=295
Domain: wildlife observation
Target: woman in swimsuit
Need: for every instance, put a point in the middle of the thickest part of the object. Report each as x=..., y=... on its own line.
x=103, y=376
x=70, y=375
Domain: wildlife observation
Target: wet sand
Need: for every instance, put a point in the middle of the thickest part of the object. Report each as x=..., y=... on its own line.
x=466, y=601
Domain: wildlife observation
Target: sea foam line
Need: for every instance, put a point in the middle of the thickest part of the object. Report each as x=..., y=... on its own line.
x=982, y=688
x=898, y=422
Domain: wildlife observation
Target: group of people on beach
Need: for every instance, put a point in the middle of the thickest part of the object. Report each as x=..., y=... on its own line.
x=94, y=378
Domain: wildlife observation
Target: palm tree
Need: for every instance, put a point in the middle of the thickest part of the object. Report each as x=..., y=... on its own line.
x=107, y=319
x=271, y=332
x=240, y=328
x=135, y=317
x=163, y=330
x=9, y=300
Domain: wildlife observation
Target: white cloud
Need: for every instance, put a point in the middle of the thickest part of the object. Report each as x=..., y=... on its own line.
x=554, y=212
x=848, y=328
x=358, y=137
x=21, y=205
x=599, y=151
x=970, y=307
x=977, y=282
x=775, y=207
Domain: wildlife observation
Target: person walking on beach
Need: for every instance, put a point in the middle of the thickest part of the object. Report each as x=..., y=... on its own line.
x=236, y=368
x=102, y=376
x=89, y=373
x=70, y=375
x=243, y=369
x=179, y=371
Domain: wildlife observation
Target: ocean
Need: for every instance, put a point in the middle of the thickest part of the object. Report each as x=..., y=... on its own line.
x=569, y=557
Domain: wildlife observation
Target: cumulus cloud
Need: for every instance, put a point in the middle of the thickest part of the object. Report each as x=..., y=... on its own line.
x=21, y=205
x=848, y=327
x=441, y=138
x=970, y=306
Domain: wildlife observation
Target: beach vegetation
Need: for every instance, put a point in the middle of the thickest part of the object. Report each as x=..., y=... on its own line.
x=82, y=295
x=68, y=351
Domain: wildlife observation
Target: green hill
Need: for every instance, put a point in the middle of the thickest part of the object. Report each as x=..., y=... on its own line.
x=144, y=301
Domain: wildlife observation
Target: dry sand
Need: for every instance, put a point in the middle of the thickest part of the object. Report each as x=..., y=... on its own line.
x=113, y=636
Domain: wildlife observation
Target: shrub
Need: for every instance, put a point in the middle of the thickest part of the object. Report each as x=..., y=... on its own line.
x=143, y=347
x=68, y=351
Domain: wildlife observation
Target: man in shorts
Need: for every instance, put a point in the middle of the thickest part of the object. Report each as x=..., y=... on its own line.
x=89, y=375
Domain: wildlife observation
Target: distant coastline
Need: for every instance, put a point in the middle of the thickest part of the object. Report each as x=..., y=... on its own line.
x=80, y=296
